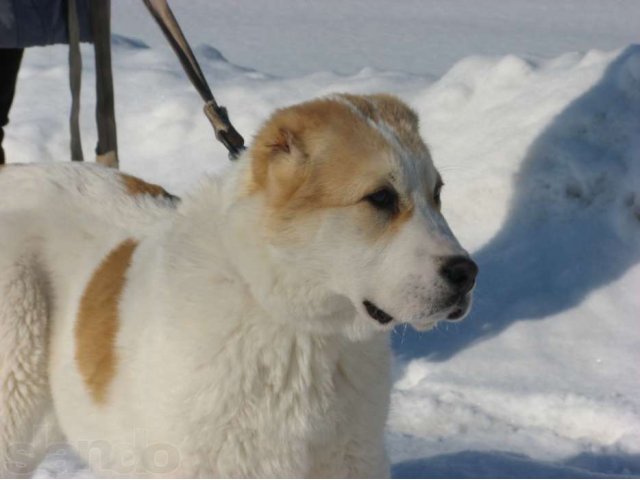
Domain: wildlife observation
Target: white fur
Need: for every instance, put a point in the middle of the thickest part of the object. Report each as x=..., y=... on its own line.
x=238, y=353
x=210, y=380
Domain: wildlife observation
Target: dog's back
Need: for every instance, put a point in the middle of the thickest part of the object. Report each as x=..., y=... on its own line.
x=66, y=217
x=83, y=188
x=78, y=206
x=56, y=221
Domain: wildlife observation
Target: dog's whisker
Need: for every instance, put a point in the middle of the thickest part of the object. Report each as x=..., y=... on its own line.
x=404, y=331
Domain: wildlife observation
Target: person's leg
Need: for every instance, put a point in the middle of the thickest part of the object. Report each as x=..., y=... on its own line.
x=10, y=60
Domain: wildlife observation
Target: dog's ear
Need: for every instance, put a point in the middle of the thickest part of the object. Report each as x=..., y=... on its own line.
x=285, y=142
x=279, y=157
x=281, y=137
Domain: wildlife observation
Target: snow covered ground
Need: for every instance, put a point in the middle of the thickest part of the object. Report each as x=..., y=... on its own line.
x=424, y=37
x=541, y=160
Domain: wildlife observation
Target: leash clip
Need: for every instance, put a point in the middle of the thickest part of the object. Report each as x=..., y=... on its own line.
x=217, y=115
x=224, y=131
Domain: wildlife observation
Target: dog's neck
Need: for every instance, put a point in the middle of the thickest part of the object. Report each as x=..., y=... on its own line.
x=223, y=232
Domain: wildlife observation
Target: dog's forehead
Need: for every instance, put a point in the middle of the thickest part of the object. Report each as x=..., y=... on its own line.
x=389, y=114
x=398, y=124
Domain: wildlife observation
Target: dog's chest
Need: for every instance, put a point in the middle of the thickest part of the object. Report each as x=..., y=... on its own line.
x=290, y=403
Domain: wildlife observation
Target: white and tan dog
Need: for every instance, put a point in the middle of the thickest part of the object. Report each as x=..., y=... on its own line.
x=240, y=332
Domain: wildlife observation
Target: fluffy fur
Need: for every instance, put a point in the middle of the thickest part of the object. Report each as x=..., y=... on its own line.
x=228, y=334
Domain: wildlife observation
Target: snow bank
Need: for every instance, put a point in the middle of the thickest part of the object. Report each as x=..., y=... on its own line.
x=542, y=171
x=541, y=166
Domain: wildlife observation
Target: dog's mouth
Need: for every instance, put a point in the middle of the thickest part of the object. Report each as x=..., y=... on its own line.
x=459, y=308
x=454, y=310
x=456, y=314
x=379, y=315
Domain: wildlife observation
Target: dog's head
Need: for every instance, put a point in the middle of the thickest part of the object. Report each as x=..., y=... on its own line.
x=352, y=207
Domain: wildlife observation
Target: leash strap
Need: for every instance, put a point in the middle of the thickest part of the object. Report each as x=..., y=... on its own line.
x=217, y=114
x=75, y=80
x=107, y=147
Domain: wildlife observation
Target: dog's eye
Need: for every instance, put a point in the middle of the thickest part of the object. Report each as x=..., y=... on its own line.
x=436, y=194
x=383, y=199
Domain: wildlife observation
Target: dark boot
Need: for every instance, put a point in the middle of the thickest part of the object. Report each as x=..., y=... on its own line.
x=10, y=59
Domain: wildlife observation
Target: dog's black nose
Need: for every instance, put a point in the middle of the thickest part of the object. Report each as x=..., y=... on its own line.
x=460, y=272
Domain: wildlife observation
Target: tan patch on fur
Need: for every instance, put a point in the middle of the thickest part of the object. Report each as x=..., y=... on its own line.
x=98, y=320
x=135, y=186
x=306, y=153
x=326, y=154
x=405, y=214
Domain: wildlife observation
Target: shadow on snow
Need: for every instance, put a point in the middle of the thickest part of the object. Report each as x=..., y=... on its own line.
x=561, y=240
x=471, y=464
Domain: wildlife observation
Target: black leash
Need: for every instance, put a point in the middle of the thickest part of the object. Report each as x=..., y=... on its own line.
x=217, y=114
x=100, y=18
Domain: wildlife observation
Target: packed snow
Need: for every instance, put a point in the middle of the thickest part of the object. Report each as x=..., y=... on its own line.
x=541, y=161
